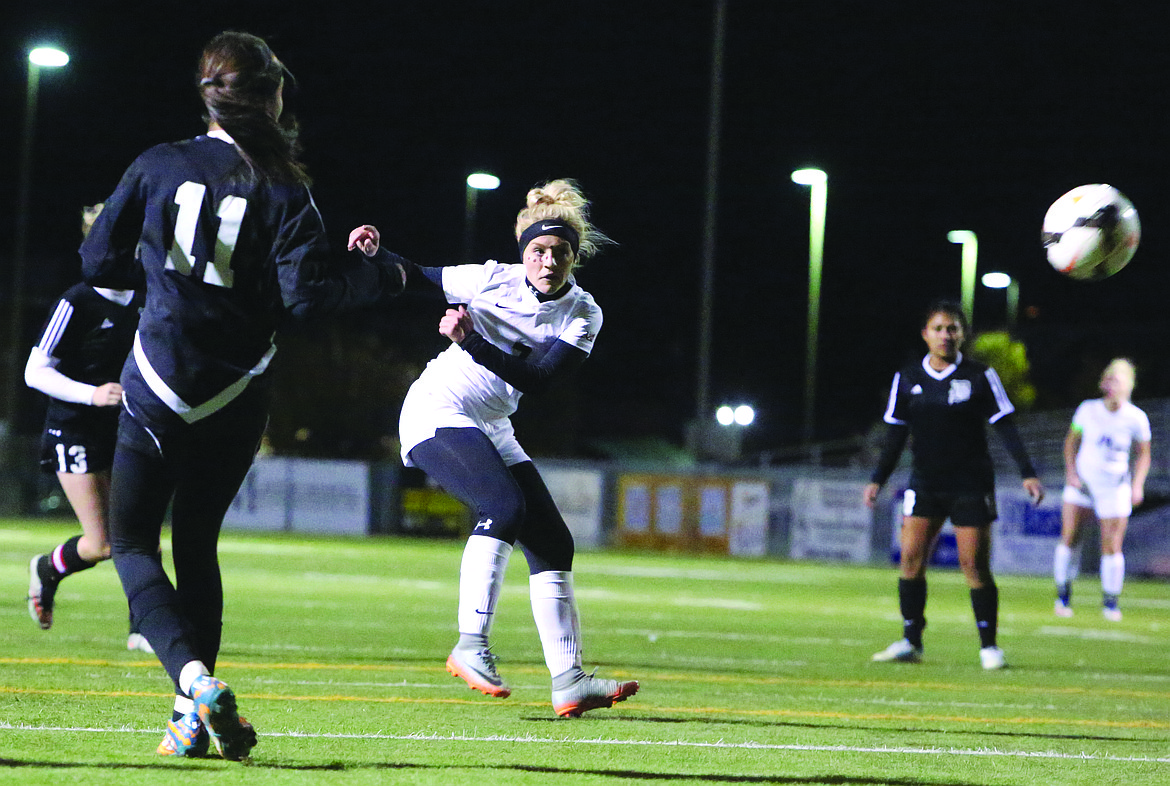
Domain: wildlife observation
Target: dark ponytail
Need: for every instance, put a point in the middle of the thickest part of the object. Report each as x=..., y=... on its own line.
x=239, y=78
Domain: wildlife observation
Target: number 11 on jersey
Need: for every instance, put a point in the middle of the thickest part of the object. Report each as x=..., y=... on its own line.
x=181, y=258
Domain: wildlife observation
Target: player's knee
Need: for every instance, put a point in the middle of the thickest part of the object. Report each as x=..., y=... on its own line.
x=503, y=515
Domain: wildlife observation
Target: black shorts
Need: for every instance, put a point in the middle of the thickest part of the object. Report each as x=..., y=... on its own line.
x=963, y=508
x=77, y=452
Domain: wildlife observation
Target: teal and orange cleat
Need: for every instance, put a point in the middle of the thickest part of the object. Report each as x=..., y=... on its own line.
x=186, y=737
x=215, y=704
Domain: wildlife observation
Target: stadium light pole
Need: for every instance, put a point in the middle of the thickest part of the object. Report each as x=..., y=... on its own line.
x=970, y=244
x=38, y=58
x=1005, y=282
x=699, y=426
x=476, y=182
x=818, y=183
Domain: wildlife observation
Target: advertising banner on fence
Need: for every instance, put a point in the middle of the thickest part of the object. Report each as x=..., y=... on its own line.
x=303, y=495
x=579, y=496
x=830, y=521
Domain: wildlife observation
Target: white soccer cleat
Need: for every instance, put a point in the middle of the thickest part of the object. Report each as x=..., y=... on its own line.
x=41, y=594
x=478, y=669
x=901, y=651
x=588, y=692
x=1111, y=613
x=992, y=658
x=1062, y=609
x=136, y=641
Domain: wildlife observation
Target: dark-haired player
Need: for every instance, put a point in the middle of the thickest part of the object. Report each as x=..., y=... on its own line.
x=229, y=246
x=944, y=404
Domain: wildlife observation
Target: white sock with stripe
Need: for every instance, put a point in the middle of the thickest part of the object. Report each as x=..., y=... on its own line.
x=481, y=575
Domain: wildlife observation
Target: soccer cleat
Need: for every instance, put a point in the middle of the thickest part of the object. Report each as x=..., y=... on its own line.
x=992, y=658
x=1062, y=609
x=1111, y=613
x=901, y=651
x=185, y=737
x=215, y=704
x=40, y=594
x=590, y=693
x=478, y=669
x=136, y=641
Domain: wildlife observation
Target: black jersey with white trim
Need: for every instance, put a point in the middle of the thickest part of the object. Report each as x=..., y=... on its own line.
x=225, y=257
x=946, y=413
x=86, y=338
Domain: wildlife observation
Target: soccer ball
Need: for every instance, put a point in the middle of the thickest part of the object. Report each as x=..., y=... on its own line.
x=1091, y=232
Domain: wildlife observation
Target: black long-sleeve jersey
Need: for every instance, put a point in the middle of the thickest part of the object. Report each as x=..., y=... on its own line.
x=945, y=414
x=87, y=337
x=225, y=259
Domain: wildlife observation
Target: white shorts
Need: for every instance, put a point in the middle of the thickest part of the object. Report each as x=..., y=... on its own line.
x=1107, y=500
x=423, y=413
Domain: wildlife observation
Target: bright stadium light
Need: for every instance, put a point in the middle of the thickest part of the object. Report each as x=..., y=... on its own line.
x=48, y=57
x=482, y=181
x=1004, y=281
x=476, y=182
x=741, y=415
x=818, y=183
x=970, y=243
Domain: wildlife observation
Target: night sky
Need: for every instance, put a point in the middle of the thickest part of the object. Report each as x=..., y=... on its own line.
x=950, y=116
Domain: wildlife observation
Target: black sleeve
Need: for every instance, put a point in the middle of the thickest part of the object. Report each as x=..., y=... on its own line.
x=433, y=274
x=559, y=362
x=1006, y=426
x=349, y=283
x=314, y=282
x=895, y=441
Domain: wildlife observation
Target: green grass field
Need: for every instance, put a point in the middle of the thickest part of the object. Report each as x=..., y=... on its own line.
x=751, y=672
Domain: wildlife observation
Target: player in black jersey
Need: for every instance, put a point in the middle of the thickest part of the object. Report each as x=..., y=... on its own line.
x=224, y=235
x=76, y=363
x=943, y=403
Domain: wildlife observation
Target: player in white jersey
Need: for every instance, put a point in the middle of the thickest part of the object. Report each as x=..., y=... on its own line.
x=1106, y=461
x=516, y=328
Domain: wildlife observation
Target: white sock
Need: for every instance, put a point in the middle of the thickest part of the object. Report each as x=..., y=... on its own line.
x=555, y=611
x=183, y=705
x=1112, y=573
x=1060, y=564
x=481, y=574
x=191, y=672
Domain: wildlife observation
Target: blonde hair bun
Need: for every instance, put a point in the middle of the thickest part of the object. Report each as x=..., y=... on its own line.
x=562, y=199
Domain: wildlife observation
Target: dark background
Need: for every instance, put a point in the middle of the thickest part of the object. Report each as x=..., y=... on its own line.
x=927, y=118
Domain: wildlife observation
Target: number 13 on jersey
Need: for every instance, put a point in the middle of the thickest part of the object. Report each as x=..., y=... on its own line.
x=181, y=258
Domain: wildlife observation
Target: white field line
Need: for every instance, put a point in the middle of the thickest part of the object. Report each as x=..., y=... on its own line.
x=1095, y=634
x=419, y=736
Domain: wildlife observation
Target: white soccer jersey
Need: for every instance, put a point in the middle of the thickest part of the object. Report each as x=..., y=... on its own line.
x=1106, y=439
x=456, y=392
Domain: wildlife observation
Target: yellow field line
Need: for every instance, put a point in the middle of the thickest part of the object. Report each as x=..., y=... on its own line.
x=767, y=713
x=1076, y=690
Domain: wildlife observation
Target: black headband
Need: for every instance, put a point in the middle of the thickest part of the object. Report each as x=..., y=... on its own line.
x=550, y=226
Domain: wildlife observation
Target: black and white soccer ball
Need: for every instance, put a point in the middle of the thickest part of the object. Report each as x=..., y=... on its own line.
x=1091, y=232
